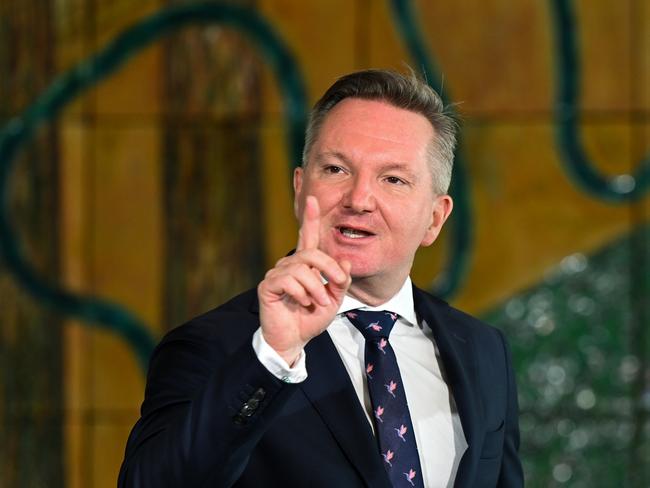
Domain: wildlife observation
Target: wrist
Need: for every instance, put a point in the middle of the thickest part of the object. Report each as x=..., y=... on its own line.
x=276, y=364
x=291, y=356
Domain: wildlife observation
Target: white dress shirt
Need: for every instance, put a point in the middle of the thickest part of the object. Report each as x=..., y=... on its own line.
x=438, y=431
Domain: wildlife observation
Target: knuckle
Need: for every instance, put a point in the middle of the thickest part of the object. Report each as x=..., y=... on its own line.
x=299, y=255
x=297, y=268
x=295, y=290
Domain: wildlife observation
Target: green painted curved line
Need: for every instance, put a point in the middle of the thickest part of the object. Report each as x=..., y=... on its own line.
x=20, y=130
x=617, y=189
x=460, y=237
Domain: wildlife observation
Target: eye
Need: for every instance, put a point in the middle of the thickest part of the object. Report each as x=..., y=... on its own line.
x=394, y=180
x=332, y=169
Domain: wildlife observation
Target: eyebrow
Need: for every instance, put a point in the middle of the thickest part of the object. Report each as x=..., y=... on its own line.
x=332, y=154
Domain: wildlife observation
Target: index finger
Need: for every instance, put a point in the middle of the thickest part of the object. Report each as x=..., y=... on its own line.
x=308, y=236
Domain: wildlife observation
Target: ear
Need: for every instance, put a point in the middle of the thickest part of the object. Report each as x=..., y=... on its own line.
x=442, y=207
x=298, y=174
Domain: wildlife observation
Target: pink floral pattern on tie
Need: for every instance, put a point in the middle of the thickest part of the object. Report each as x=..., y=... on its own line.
x=379, y=412
x=409, y=476
x=388, y=455
x=374, y=326
x=401, y=432
x=393, y=316
x=391, y=387
x=369, y=369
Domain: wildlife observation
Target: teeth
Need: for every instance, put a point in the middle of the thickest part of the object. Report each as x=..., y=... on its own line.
x=354, y=234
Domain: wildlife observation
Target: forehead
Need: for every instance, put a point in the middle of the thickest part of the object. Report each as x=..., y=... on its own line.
x=370, y=129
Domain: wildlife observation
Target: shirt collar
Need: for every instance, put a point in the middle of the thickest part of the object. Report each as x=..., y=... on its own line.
x=401, y=303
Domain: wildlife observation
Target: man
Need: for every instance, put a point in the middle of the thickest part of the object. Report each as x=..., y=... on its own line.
x=282, y=386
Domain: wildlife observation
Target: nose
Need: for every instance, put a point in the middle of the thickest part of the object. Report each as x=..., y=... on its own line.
x=360, y=195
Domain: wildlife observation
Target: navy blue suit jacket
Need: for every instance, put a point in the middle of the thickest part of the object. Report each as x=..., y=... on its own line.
x=213, y=415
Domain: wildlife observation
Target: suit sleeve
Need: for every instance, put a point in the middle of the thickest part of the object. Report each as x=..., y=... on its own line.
x=511, y=474
x=205, y=410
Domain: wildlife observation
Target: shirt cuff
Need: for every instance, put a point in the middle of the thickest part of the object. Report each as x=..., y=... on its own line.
x=276, y=365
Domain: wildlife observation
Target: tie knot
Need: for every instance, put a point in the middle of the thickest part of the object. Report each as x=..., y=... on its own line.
x=372, y=325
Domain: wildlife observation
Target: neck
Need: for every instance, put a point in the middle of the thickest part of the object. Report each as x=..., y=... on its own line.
x=374, y=291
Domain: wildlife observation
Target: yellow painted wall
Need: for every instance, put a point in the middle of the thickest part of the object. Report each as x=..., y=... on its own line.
x=496, y=57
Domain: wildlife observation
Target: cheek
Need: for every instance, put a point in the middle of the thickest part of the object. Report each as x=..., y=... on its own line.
x=329, y=198
x=413, y=226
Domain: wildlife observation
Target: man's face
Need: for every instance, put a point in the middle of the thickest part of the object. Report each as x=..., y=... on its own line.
x=368, y=170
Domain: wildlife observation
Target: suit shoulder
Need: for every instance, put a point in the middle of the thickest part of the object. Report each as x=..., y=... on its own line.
x=477, y=325
x=235, y=319
x=462, y=321
x=244, y=303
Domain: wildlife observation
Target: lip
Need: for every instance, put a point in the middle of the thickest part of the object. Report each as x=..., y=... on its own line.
x=342, y=238
x=355, y=227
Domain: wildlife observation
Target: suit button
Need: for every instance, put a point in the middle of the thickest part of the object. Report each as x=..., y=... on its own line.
x=249, y=408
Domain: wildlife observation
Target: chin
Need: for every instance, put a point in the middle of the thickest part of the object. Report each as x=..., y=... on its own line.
x=362, y=267
x=362, y=270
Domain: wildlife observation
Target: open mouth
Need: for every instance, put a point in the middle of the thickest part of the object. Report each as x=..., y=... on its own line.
x=354, y=233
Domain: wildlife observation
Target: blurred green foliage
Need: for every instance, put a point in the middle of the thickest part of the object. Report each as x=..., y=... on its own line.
x=581, y=350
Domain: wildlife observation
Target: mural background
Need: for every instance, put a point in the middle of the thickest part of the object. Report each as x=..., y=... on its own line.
x=163, y=188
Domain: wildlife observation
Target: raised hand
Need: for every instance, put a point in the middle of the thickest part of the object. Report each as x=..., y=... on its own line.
x=295, y=304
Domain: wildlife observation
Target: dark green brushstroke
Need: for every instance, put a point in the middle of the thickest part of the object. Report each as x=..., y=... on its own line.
x=20, y=130
x=582, y=172
x=460, y=224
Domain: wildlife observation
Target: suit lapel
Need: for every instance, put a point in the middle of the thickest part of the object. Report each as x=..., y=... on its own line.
x=329, y=389
x=458, y=360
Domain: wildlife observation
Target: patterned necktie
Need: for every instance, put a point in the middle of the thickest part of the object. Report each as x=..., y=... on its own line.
x=390, y=410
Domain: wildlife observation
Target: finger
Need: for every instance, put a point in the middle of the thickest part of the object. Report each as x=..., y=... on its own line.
x=311, y=283
x=340, y=288
x=294, y=290
x=283, y=286
x=298, y=282
x=308, y=237
x=321, y=262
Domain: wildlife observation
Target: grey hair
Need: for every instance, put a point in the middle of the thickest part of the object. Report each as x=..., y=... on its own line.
x=401, y=91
